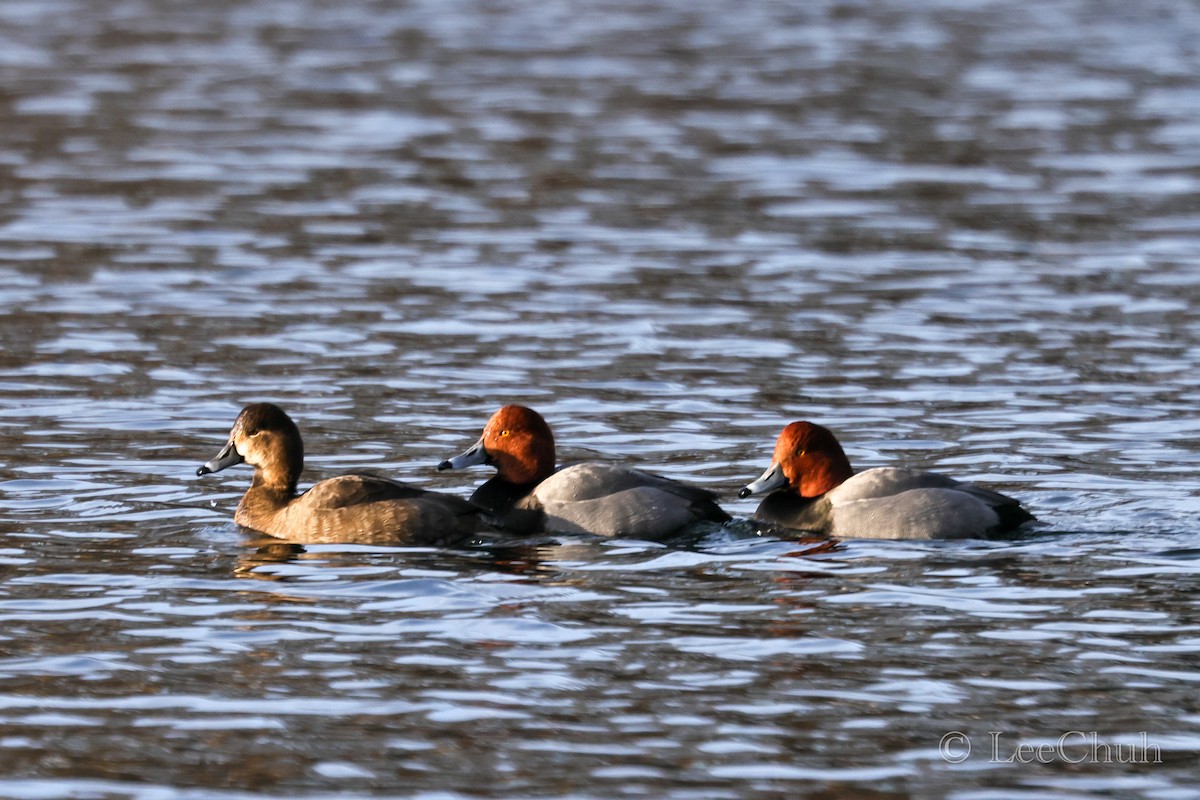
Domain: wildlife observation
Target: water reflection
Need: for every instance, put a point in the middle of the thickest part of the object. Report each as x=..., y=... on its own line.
x=533, y=558
x=263, y=552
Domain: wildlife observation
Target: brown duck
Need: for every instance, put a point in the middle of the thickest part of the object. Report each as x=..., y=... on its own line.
x=354, y=508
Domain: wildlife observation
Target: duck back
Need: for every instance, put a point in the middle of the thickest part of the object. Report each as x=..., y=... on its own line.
x=893, y=503
x=364, y=509
x=915, y=514
x=602, y=500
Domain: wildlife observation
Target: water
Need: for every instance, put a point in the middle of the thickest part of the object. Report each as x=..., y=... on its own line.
x=962, y=235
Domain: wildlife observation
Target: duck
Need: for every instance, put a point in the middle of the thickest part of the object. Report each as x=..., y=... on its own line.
x=531, y=495
x=356, y=508
x=810, y=486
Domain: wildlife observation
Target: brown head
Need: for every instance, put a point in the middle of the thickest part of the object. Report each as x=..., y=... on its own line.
x=808, y=460
x=517, y=442
x=264, y=437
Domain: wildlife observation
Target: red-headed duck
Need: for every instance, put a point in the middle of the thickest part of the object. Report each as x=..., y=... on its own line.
x=355, y=508
x=528, y=494
x=813, y=488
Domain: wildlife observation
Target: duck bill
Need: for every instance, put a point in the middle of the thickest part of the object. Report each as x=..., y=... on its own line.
x=769, y=481
x=226, y=458
x=476, y=454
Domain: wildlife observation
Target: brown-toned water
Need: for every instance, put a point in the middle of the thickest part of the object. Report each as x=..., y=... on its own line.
x=962, y=235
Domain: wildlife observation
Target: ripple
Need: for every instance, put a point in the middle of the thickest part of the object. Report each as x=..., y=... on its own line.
x=949, y=232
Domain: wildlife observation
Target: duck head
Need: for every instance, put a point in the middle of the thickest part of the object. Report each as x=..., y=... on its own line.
x=517, y=442
x=808, y=460
x=264, y=437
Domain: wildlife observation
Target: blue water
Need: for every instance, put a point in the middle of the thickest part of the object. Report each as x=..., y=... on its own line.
x=963, y=236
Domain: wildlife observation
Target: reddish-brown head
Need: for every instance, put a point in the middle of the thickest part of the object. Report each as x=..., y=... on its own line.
x=519, y=442
x=811, y=459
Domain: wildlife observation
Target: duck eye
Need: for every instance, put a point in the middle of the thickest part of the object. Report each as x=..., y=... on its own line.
x=253, y=433
x=505, y=432
x=800, y=451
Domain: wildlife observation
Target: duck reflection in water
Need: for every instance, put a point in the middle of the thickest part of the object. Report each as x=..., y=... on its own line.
x=538, y=559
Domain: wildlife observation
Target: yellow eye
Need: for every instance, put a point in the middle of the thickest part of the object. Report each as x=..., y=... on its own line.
x=504, y=432
x=800, y=452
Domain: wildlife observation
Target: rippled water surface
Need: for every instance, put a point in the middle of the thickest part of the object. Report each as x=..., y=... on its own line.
x=963, y=235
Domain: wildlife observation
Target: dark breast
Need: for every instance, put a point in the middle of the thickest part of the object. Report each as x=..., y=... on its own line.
x=510, y=505
x=790, y=510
